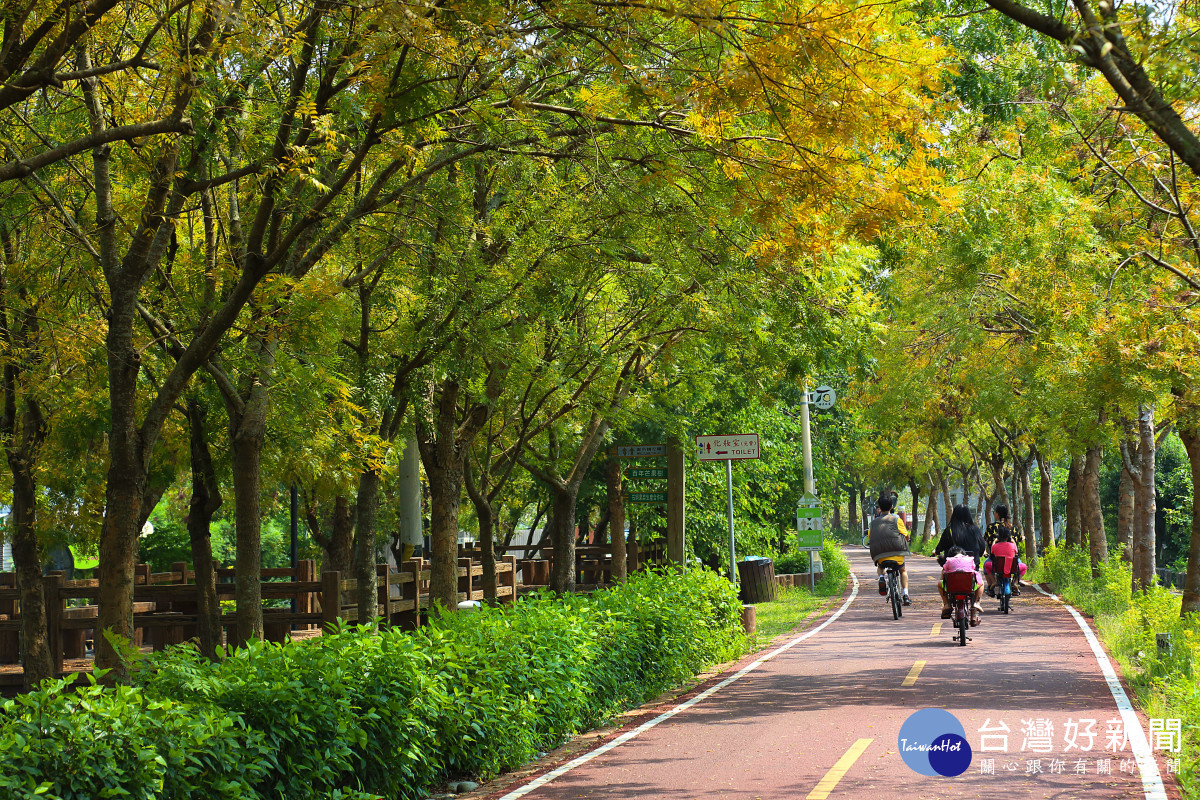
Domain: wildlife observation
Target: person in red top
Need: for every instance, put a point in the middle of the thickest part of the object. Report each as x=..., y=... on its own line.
x=1004, y=552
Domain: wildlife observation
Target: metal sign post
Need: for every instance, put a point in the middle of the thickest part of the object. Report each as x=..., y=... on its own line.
x=732, y=546
x=729, y=448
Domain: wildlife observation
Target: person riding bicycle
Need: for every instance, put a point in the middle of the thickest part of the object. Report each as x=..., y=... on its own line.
x=1003, y=524
x=963, y=533
x=1004, y=559
x=889, y=542
x=957, y=560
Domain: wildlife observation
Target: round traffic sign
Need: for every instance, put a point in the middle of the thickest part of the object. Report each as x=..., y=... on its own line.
x=823, y=397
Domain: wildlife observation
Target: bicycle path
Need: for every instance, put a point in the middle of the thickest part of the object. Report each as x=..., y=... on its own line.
x=821, y=719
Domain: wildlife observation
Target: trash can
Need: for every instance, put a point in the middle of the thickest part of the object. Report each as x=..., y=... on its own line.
x=757, y=578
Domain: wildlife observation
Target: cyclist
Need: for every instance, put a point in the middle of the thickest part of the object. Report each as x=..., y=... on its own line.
x=889, y=541
x=963, y=533
x=1003, y=549
x=957, y=560
x=1003, y=524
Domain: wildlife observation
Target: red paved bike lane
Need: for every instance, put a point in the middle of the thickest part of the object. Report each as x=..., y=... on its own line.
x=779, y=729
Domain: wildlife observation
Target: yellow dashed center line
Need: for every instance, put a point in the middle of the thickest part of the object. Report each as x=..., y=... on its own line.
x=913, y=673
x=937, y=629
x=839, y=770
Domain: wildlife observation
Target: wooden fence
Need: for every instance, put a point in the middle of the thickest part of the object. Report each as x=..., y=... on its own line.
x=593, y=562
x=165, y=603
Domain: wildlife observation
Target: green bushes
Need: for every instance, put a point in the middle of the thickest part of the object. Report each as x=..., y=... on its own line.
x=837, y=569
x=363, y=713
x=791, y=563
x=81, y=743
x=1164, y=682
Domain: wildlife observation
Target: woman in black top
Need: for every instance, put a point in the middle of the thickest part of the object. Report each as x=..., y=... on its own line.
x=961, y=532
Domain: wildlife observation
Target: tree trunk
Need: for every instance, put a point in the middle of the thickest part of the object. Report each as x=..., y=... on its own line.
x=1145, y=502
x=367, y=593
x=444, y=450
x=246, y=441
x=562, y=539
x=616, y=520
x=1091, y=510
x=338, y=546
x=126, y=483
x=837, y=507
x=947, y=502
x=1189, y=432
x=487, y=527
x=445, y=493
x=1026, y=488
x=854, y=520
x=205, y=501
x=1046, y=505
x=915, y=489
x=931, y=520
x=35, y=642
x=1126, y=493
x=1074, y=532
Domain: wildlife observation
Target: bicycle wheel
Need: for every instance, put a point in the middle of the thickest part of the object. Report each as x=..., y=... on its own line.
x=894, y=595
x=1005, y=597
x=962, y=627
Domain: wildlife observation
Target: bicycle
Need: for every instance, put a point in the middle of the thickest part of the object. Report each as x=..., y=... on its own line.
x=895, y=594
x=1004, y=581
x=960, y=589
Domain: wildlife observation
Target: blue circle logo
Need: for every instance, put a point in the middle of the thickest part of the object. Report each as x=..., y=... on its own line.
x=933, y=742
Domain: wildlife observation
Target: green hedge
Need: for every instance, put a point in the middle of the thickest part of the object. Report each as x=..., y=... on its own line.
x=364, y=713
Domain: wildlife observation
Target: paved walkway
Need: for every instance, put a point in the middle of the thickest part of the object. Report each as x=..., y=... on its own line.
x=822, y=718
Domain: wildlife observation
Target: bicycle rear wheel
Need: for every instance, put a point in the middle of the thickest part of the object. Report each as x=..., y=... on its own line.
x=962, y=627
x=894, y=594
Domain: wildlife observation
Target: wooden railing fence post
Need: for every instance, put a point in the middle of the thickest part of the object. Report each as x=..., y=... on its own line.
x=51, y=584
x=331, y=599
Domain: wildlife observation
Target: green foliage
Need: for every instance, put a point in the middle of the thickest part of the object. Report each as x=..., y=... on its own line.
x=89, y=742
x=1069, y=570
x=1164, y=681
x=790, y=563
x=365, y=713
x=837, y=569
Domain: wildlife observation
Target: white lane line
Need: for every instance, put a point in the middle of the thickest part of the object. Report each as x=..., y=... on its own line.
x=645, y=726
x=1152, y=783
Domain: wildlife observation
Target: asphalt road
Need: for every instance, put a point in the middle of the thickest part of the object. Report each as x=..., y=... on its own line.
x=822, y=717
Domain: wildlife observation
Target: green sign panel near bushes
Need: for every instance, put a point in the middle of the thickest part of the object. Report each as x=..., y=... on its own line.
x=647, y=497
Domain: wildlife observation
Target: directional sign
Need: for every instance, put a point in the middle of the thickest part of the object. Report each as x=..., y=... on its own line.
x=635, y=473
x=647, y=497
x=732, y=447
x=823, y=397
x=809, y=523
x=809, y=540
x=638, y=450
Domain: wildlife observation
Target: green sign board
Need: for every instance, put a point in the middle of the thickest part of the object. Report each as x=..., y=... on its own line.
x=638, y=451
x=635, y=473
x=809, y=540
x=647, y=497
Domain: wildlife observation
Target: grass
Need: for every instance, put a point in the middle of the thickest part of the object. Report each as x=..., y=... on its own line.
x=1164, y=684
x=792, y=605
x=787, y=611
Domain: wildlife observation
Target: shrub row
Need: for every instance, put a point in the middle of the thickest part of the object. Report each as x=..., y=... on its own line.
x=366, y=713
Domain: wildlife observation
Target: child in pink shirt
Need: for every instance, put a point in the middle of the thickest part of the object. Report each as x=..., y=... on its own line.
x=958, y=561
